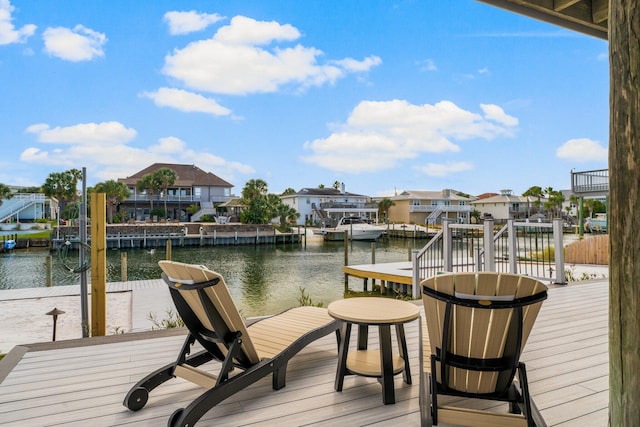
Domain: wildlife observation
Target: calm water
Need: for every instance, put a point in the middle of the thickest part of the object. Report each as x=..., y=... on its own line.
x=262, y=279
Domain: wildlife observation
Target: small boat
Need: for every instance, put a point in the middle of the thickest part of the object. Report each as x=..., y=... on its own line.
x=597, y=224
x=9, y=244
x=359, y=229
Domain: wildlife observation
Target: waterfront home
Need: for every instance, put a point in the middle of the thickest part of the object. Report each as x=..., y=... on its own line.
x=507, y=206
x=320, y=206
x=430, y=207
x=193, y=186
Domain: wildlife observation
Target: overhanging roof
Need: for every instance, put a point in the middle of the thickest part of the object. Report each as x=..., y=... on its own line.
x=586, y=16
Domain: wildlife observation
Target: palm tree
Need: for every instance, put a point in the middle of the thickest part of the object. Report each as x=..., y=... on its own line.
x=289, y=191
x=535, y=191
x=115, y=193
x=165, y=178
x=63, y=186
x=383, y=207
x=254, y=188
x=147, y=184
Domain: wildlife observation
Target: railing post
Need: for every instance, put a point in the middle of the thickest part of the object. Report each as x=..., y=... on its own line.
x=558, y=251
x=489, y=249
x=415, y=283
x=447, y=246
x=513, y=245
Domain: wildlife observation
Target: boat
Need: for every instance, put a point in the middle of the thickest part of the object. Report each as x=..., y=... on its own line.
x=597, y=224
x=359, y=229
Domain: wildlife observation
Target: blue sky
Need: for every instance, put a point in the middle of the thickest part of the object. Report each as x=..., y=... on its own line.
x=383, y=96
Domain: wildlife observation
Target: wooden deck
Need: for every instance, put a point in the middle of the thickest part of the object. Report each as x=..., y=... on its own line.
x=83, y=382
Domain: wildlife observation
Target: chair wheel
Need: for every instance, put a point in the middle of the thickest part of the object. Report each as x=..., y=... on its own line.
x=137, y=398
x=173, y=419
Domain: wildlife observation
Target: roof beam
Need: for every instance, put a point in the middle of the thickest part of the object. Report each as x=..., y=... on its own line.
x=577, y=16
x=560, y=5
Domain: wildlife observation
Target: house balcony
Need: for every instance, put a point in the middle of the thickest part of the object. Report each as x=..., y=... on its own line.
x=443, y=208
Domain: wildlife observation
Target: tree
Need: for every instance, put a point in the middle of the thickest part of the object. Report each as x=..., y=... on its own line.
x=536, y=192
x=320, y=185
x=254, y=198
x=554, y=202
x=336, y=185
x=63, y=186
x=475, y=214
x=5, y=193
x=624, y=191
x=283, y=212
x=147, y=185
x=383, y=207
x=163, y=179
x=289, y=191
x=254, y=188
x=115, y=193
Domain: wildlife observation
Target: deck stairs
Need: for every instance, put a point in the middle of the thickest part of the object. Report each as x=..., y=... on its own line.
x=18, y=203
x=206, y=208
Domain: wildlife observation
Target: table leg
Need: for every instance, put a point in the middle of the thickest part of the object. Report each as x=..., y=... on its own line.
x=386, y=365
x=402, y=348
x=342, y=355
x=363, y=337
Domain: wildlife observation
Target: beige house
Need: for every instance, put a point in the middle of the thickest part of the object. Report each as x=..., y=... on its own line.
x=507, y=206
x=430, y=207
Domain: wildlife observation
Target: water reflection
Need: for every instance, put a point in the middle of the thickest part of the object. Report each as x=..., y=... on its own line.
x=261, y=279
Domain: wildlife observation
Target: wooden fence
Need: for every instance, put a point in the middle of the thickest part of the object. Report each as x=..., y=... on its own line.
x=592, y=250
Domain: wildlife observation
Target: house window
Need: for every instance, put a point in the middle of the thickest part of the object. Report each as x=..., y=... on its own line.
x=197, y=191
x=461, y=203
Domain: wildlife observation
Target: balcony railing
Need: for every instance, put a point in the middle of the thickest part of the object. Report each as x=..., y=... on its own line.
x=443, y=208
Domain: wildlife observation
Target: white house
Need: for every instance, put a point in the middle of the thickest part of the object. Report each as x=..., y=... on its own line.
x=318, y=206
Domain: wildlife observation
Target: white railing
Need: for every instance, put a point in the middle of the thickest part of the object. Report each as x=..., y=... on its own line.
x=440, y=208
x=19, y=202
x=519, y=248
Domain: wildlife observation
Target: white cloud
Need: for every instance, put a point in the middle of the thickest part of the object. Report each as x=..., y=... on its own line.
x=186, y=101
x=582, y=150
x=442, y=170
x=244, y=57
x=77, y=44
x=188, y=22
x=8, y=32
x=105, y=150
x=427, y=65
x=380, y=134
x=495, y=113
x=105, y=133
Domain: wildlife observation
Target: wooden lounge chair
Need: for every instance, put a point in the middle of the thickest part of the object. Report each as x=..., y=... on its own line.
x=246, y=353
x=477, y=326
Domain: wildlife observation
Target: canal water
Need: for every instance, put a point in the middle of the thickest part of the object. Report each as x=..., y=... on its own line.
x=263, y=279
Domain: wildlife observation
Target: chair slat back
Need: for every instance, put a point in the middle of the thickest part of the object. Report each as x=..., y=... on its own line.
x=477, y=330
x=212, y=305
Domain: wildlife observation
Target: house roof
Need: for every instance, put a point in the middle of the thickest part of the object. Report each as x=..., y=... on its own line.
x=506, y=198
x=188, y=176
x=323, y=192
x=585, y=16
x=431, y=195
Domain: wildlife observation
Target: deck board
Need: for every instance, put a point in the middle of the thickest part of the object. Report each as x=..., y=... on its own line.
x=566, y=357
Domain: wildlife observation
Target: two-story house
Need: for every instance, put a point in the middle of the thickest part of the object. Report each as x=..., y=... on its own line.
x=430, y=207
x=193, y=186
x=325, y=206
x=508, y=206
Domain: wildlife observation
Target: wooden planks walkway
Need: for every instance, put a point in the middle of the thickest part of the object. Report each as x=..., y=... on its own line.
x=566, y=356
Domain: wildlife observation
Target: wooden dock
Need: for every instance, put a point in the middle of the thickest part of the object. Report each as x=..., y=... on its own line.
x=83, y=382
